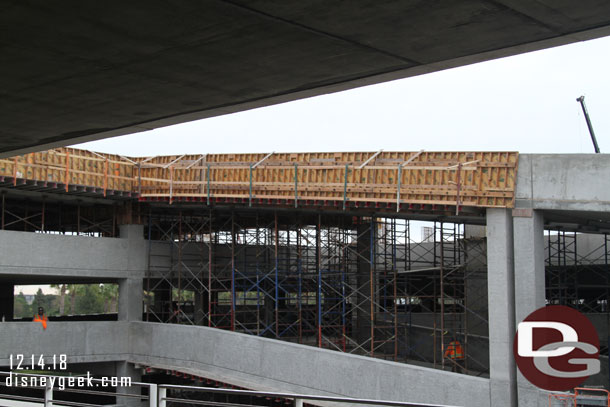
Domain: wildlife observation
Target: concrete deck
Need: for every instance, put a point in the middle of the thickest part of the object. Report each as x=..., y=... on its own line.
x=79, y=71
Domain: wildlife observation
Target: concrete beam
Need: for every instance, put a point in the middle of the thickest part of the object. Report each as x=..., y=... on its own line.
x=500, y=287
x=569, y=182
x=230, y=56
x=40, y=257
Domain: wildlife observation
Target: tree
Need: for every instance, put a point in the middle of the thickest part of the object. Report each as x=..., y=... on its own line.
x=62, y=297
x=90, y=300
x=22, y=308
x=73, y=289
x=110, y=295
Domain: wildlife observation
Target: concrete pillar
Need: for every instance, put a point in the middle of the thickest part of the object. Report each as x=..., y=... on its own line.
x=7, y=301
x=131, y=297
x=364, y=243
x=201, y=308
x=476, y=300
x=528, y=227
x=131, y=293
x=500, y=287
x=126, y=369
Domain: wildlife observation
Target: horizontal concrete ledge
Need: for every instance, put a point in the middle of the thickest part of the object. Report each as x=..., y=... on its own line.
x=245, y=360
x=571, y=182
x=35, y=256
x=82, y=342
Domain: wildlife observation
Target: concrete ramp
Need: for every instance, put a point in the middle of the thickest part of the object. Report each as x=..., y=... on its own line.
x=267, y=364
x=244, y=360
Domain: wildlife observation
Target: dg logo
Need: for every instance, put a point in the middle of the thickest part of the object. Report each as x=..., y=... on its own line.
x=556, y=348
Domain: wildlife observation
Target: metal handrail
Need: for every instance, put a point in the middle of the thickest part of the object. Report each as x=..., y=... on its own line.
x=158, y=395
x=294, y=396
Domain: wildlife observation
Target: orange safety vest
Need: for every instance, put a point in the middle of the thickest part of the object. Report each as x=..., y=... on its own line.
x=42, y=320
x=454, y=351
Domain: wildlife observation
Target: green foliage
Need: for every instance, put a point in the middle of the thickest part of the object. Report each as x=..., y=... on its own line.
x=77, y=299
x=89, y=300
x=22, y=308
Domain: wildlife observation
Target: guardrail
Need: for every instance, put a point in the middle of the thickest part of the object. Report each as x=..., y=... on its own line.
x=160, y=395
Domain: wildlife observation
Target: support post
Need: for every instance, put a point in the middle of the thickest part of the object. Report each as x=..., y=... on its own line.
x=130, y=299
x=126, y=369
x=528, y=229
x=162, y=395
x=48, y=395
x=528, y=226
x=131, y=288
x=153, y=395
x=277, y=282
x=500, y=282
x=364, y=290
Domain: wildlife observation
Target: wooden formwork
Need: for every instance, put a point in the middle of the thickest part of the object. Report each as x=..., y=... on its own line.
x=478, y=179
x=70, y=166
x=483, y=179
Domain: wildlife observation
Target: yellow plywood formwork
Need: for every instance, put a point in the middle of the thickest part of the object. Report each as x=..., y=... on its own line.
x=476, y=179
x=70, y=166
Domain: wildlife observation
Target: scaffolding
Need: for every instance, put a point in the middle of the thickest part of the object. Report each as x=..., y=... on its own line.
x=353, y=284
x=578, y=270
x=76, y=218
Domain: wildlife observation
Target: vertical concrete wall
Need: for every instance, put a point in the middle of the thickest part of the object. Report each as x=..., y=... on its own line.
x=500, y=287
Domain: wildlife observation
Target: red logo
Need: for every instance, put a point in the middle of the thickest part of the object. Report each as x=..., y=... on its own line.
x=556, y=348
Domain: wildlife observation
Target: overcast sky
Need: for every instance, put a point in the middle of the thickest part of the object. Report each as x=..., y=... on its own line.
x=525, y=103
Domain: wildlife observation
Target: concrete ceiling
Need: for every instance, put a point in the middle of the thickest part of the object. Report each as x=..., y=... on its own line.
x=74, y=71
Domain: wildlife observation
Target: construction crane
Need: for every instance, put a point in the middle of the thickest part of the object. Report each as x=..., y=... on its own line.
x=589, y=125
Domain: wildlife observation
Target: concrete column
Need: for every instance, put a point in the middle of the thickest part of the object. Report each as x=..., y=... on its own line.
x=131, y=297
x=131, y=294
x=476, y=300
x=126, y=369
x=528, y=226
x=7, y=301
x=365, y=238
x=201, y=308
x=135, y=232
x=500, y=287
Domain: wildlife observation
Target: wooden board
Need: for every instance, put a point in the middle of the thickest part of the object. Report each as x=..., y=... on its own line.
x=480, y=179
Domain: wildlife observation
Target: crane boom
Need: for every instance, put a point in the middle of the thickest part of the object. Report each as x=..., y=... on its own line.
x=589, y=125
